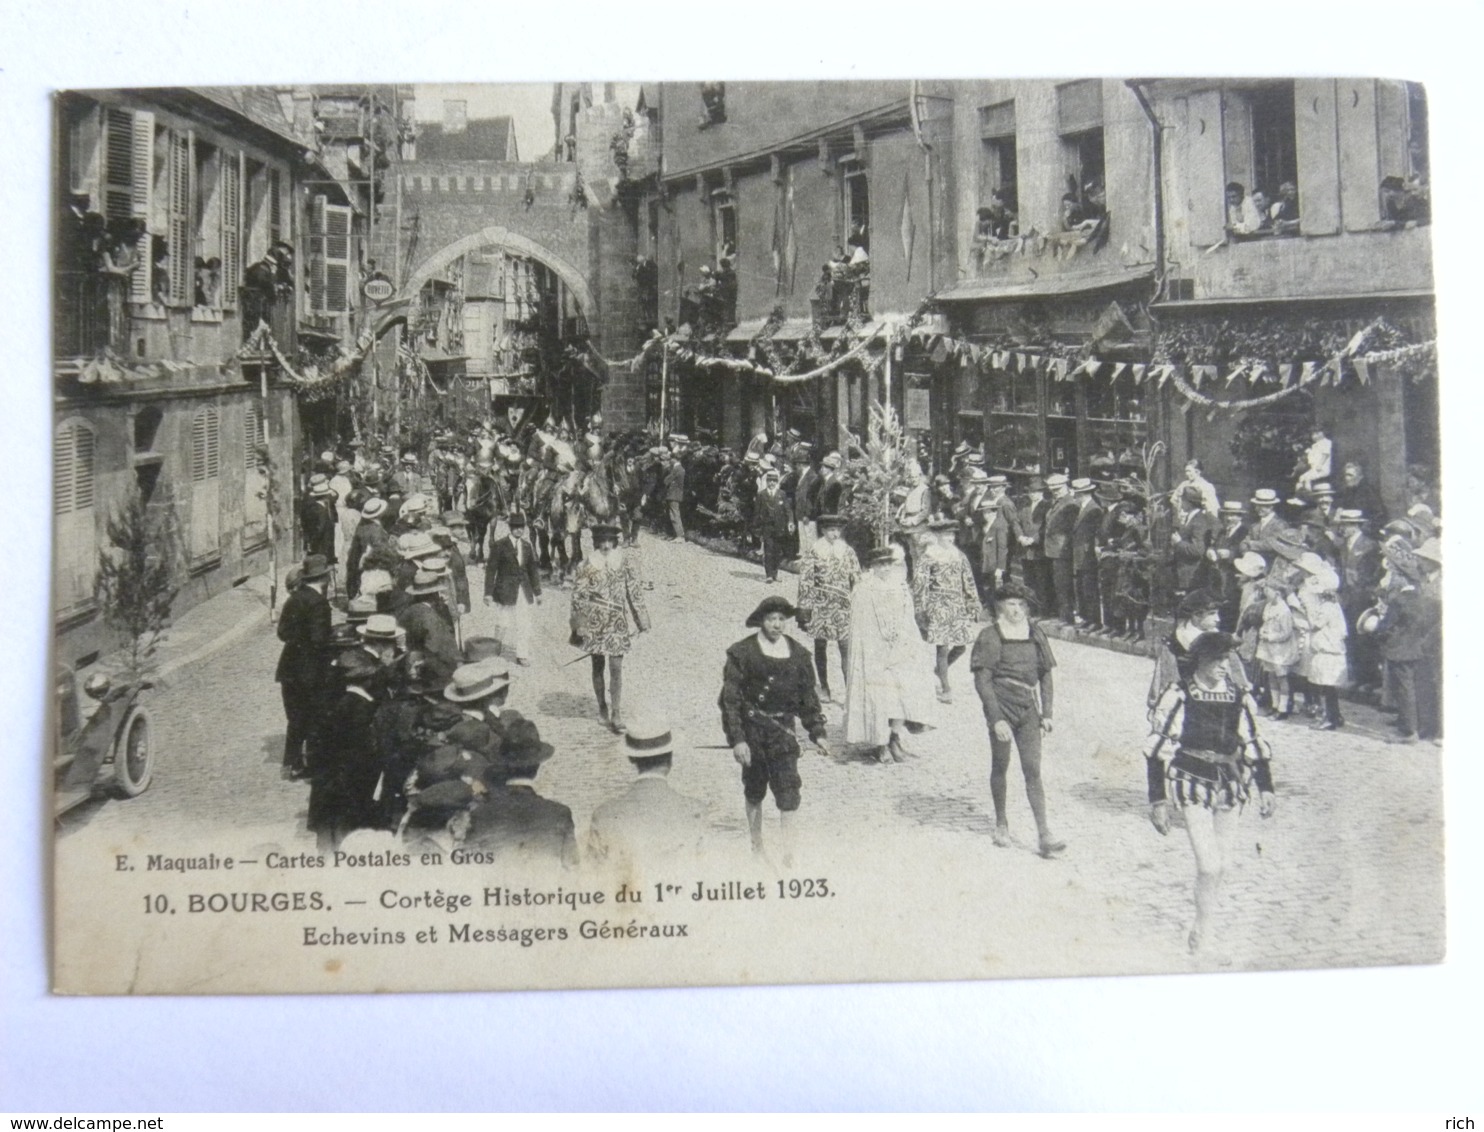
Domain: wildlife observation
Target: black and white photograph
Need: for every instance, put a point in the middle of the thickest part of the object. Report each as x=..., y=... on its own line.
x=604, y=534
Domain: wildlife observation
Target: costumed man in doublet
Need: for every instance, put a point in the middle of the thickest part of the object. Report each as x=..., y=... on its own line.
x=1012, y=665
x=606, y=593
x=946, y=599
x=512, y=585
x=887, y=685
x=768, y=683
x=827, y=574
x=651, y=823
x=1205, y=755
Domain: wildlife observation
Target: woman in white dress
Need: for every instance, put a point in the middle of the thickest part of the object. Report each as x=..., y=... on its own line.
x=888, y=686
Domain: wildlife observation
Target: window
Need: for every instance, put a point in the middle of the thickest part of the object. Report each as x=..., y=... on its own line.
x=1274, y=150
x=255, y=489
x=1080, y=123
x=998, y=171
x=857, y=200
x=723, y=224
x=205, y=532
x=455, y=115
x=127, y=174
x=714, y=104
x=76, y=523
x=1261, y=155
x=329, y=257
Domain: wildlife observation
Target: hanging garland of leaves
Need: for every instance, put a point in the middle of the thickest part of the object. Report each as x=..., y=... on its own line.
x=321, y=376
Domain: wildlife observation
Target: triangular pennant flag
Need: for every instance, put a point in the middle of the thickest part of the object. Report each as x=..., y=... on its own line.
x=1164, y=375
x=1019, y=361
x=1236, y=373
x=1285, y=373
x=1118, y=369
x=1089, y=367
x=997, y=359
x=1140, y=369
x=1059, y=368
x=1363, y=371
x=1306, y=375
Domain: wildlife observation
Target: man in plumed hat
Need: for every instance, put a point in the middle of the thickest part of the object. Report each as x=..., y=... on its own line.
x=651, y=822
x=303, y=672
x=767, y=684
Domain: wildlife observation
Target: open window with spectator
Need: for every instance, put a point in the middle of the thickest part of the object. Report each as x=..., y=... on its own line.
x=1083, y=209
x=1405, y=192
x=997, y=218
x=1261, y=157
x=713, y=104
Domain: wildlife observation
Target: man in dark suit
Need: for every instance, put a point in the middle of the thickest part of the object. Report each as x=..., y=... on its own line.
x=303, y=672
x=1061, y=518
x=317, y=517
x=651, y=822
x=512, y=819
x=512, y=583
x=1034, y=563
x=1189, y=542
x=774, y=519
x=1267, y=527
x=674, y=488
x=1360, y=572
x=1085, y=531
x=1225, y=549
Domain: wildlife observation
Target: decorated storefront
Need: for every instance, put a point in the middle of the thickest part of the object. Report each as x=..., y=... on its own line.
x=1048, y=382
x=1248, y=384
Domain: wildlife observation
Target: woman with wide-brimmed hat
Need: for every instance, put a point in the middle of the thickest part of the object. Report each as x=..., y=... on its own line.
x=827, y=574
x=606, y=593
x=766, y=684
x=1012, y=663
x=946, y=599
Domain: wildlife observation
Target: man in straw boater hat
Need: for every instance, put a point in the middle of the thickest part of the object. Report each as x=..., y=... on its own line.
x=650, y=822
x=887, y=684
x=606, y=593
x=511, y=819
x=766, y=684
x=303, y=672
x=774, y=519
x=512, y=585
x=828, y=571
x=1267, y=525
x=369, y=535
x=428, y=621
x=317, y=518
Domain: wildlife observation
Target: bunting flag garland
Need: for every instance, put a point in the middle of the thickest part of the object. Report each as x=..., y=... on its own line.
x=1285, y=373
x=1363, y=370
x=1140, y=369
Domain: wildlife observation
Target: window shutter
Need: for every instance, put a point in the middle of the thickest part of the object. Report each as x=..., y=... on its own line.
x=205, y=484
x=1205, y=169
x=1315, y=128
x=142, y=189
x=251, y=437
x=275, y=207
x=337, y=258
x=181, y=291
x=1079, y=106
x=255, y=482
x=317, y=219
x=1393, y=133
x=997, y=121
x=231, y=189
x=118, y=163
x=76, y=525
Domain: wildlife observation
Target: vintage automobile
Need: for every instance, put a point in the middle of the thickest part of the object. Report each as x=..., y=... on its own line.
x=111, y=749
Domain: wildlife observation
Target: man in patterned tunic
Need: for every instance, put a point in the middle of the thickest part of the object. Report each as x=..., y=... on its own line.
x=826, y=575
x=607, y=590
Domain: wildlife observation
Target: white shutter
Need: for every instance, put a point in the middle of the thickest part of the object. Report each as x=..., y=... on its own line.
x=317, y=209
x=337, y=258
x=205, y=540
x=1205, y=169
x=142, y=189
x=181, y=292
x=255, y=499
x=76, y=522
x=1315, y=129
x=231, y=190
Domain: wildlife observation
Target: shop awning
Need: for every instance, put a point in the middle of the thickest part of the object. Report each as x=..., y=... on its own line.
x=791, y=330
x=433, y=356
x=991, y=289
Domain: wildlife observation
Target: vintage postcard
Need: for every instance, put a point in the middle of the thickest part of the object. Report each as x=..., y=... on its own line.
x=669, y=534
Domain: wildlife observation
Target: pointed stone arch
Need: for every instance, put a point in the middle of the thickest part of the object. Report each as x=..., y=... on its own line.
x=497, y=235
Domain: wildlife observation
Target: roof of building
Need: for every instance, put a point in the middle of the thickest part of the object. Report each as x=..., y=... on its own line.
x=482, y=139
x=258, y=104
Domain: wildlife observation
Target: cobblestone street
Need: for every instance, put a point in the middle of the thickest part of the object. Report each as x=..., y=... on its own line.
x=1349, y=871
